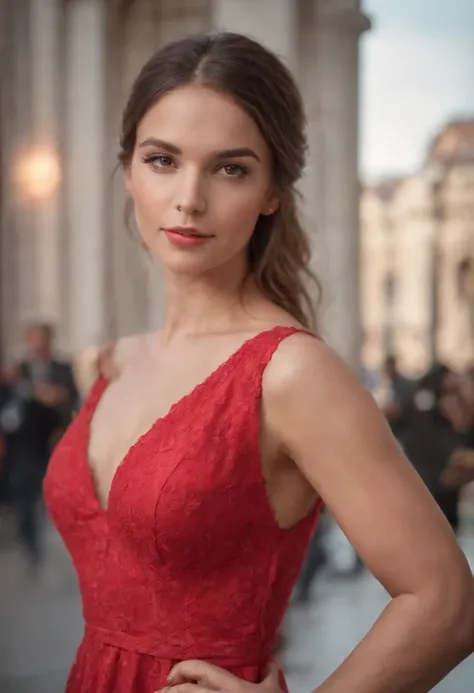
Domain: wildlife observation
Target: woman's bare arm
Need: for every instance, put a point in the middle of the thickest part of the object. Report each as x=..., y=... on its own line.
x=327, y=422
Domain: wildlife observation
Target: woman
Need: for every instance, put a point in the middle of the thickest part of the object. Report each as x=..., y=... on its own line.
x=188, y=487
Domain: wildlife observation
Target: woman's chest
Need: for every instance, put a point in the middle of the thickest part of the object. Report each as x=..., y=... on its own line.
x=188, y=472
x=130, y=407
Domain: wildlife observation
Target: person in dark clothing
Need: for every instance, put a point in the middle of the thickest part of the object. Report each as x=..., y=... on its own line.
x=460, y=410
x=28, y=427
x=40, y=405
x=48, y=379
x=436, y=429
x=4, y=458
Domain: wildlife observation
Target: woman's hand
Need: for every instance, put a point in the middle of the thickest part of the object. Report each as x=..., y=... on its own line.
x=195, y=676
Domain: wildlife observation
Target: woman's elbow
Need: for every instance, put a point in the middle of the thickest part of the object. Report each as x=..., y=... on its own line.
x=466, y=634
x=454, y=614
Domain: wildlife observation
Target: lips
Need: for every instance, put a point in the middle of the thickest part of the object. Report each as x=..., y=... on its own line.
x=186, y=231
x=185, y=237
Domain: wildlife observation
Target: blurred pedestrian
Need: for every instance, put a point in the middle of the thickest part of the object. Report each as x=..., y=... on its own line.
x=42, y=395
x=437, y=424
x=42, y=374
x=4, y=466
x=459, y=408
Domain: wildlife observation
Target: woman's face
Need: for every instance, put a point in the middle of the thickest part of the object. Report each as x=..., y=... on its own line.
x=200, y=176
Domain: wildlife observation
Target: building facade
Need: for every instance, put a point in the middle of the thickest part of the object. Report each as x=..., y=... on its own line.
x=66, y=255
x=417, y=259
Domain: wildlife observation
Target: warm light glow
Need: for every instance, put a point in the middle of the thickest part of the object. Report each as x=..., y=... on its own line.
x=38, y=174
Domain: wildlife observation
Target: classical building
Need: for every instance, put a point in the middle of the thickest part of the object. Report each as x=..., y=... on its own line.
x=417, y=258
x=67, y=66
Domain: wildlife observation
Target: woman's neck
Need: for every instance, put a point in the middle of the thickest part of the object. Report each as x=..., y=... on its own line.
x=215, y=302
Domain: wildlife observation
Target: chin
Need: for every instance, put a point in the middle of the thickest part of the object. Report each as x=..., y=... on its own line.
x=198, y=261
x=186, y=264
x=193, y=266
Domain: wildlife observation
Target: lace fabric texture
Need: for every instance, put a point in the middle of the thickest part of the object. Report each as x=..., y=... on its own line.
x=187, y=561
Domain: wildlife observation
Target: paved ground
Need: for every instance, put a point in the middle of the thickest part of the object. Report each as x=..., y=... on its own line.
x=41, y=625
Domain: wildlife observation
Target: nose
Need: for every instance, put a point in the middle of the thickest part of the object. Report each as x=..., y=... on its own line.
x=191, y=198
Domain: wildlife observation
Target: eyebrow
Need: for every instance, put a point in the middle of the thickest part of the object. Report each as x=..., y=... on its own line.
x=235, y=153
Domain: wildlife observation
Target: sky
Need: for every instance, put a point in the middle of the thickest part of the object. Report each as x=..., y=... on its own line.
x=417, y=73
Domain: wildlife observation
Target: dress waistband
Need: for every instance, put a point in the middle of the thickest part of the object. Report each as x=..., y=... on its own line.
x=146, y=645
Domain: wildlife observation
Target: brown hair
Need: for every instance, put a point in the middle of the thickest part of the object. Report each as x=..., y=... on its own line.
x=279, y=250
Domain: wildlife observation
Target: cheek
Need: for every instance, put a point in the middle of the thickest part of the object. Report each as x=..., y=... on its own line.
x=239, y=209
x=150, y=199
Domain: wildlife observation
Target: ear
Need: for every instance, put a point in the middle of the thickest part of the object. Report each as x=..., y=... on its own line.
x=271, y=205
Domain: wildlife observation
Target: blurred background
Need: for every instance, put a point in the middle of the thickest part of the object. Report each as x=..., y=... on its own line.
x=388, y=200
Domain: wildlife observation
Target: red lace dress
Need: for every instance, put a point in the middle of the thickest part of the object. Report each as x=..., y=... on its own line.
x=187, y=562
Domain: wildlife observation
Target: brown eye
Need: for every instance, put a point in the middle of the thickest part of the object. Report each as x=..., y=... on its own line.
x=234, y=170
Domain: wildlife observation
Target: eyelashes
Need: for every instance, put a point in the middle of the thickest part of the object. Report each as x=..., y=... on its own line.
x=235, y=170
x=161, y=162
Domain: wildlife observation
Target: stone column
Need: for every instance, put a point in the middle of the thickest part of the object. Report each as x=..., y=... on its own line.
x=86, y=175
x=271, y=22
x=338, y=30
x=312, y=184
x=46, y=64
x=134, y=36
x=17, y=290
x=8, y=247
x=180, y=18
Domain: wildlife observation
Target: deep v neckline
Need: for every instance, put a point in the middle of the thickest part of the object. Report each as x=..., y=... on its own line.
x=102, y=385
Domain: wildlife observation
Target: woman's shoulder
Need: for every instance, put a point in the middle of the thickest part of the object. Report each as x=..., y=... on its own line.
x=117, y=355
x=304, y=363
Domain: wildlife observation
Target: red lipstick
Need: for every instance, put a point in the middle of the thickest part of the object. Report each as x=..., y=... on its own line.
x=185, y=236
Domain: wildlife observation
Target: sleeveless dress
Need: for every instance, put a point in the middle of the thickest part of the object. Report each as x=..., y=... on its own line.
x=187, y=562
